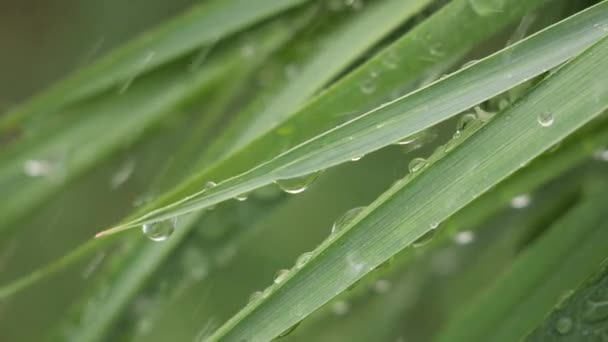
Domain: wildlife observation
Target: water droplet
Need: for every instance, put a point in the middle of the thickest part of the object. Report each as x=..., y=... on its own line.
x=210, y=185
x=465, y=237
x=521, y=201
x=357, y=158
x=601, y=155
x=425, y=239
x=289, y=330
x=257, y=295
x=345, y=219
x=340, y=307
x=159, y=231
x=417, y=164
x=564, y=325
x=297, y=185
x=37, y=168
x=407, y=140
x=484, y=115
x=303, y=259
x=241, y=197
x=382, y=286
x=463, y=123
x=390, y=60
x=367, y=86
x=545, y=119
x=281, y=276
x=485, y=7
x=469, y=63
x=437, y=49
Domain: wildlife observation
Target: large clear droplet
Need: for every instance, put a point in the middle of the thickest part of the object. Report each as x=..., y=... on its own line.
x=521, y=201
x=564, y=325
x=464, y=122
x=289, y=330
x=210, y=185
x=297, y=185
x=159, y=231
x=281, y=276
x=254, y=297
x=241, y=197
x=345, y=219
x=417, y=164
x=425, y=239
x=545, y=119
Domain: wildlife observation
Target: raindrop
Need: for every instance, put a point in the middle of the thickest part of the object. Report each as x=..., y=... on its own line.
x=367, y=86
x=465, y=237
x=382, y=286
x=257, y=295
x=601, y=155
x=241, y=197
x=464, y=122
x=354, y=4
x=469, y=63
x=297, y=185
x=159, y=231
x=345, y=219
x=521, y=201
x=437, y=49
x=281, y=276
x=484, y=115
x=210, y=185
x=357, y=158
x=303, y=259
x=485, y=7
x=417, y=164
x=37, y=168
x=425, y=239
x=545, y=119
x=564, y=325
x=340, y=307
x=289, y=330
x=407, y=140
x=390, y=60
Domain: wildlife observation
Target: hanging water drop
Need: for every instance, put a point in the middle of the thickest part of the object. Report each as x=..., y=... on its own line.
x=521, y=201
x=281, y=276
x=159, y=231
x=407, y=140
x=345, y=219
x=563, y=325
x=303, y=259
x=289, y=330
x=417, y=164
x=357, y=158
x=482, y=114
x=545, y=119
x=437, y=49
x=463, y=123
x=425, y=239
x=254, y=297
x=297, y=185
x=390, y=60
x=210, y=185
x=464, y=237
x=241, y=197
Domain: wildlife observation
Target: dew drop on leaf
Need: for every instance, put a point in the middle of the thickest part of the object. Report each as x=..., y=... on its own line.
x=464, y=237
x=303, y=259
x=425, y=239
x=357, y=158
x=159, y=231
x=521, y=201
x=367, y=86
x=463, y=123
x=210, y=185
x=545, y=119
x=564, y=325
x=257, y=295
x=289, y=330
x=417, y=164
x=297, y=185
x=241, y=197
x=345, y=219
x=281, y=276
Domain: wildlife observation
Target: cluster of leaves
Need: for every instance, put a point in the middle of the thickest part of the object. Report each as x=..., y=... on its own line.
x=238, y=99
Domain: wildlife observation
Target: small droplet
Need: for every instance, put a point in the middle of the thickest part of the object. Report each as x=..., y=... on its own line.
x=345, y=219
x=289, y=330
x=463, y=123
x=210, y=185
x=303, y=259
x=437, y=49
x=340, y=307
x=357, y=158
x=407, y=140
x=601, y=155
x=37, y=168
x=417, y=164
x=257, y=295
x=354, y=4
x=159, y=231
x=390, y=60
x=465, y=237
x=297, y=185
x=484, y=115
x=545, y=119
x=367, y=86
x=563, y=325
x=469, y=63
x=241, y=197
x=521, y=201
x=382, y=286
x=425, y=239
x=281, y=276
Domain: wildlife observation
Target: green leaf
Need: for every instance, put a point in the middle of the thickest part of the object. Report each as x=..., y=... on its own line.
x=203, y=25
x=561, y=260
x=420, y=202
x=409, y=114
